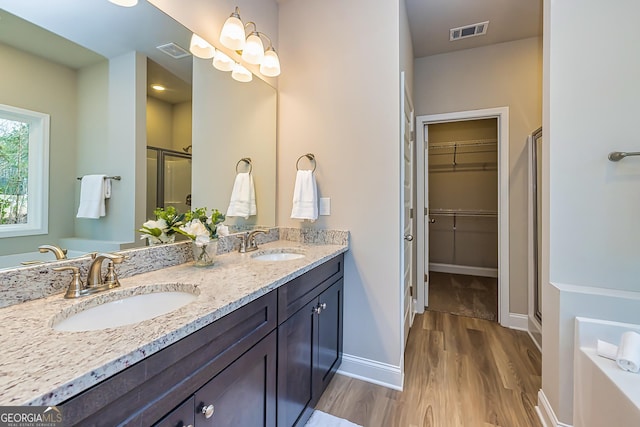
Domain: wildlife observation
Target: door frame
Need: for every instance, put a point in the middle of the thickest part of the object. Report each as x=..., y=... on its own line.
x=502, y=115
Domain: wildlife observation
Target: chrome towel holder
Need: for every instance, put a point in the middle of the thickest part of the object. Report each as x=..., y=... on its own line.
x=116, y=177
x=311, y=157
x=246, y=160
x=616, y=156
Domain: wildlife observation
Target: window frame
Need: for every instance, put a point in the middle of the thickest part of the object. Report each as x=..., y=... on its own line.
x=38, y=179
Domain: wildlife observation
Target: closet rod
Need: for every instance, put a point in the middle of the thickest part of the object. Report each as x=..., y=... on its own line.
x=462, y=212
x=460, y=144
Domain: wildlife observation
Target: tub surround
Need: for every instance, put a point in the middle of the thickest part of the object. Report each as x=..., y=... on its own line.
x=31, y=376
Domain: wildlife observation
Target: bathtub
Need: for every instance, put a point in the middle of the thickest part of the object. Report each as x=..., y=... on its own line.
x=16, y=260
x=604, y=394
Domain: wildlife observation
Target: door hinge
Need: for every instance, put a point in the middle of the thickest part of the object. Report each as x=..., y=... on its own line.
x=426, y=277
x=411, y=290
x=410, y=212
x=426, y=211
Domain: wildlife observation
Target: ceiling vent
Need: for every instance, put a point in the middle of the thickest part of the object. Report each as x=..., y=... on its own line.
x=173, y=50
x=473, y=30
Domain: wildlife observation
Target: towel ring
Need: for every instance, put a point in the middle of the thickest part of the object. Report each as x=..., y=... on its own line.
x=311, y=158
x=247, y=160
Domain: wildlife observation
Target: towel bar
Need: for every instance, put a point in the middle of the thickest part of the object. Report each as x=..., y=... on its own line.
x=117, y=177
x=247, y=160
x=616, y=156
x=311, y=157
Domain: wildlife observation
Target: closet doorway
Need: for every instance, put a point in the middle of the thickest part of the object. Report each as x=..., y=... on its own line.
x=462, y=183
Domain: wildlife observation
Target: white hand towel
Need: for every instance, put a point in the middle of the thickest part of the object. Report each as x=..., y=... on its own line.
x=243, y=197
x=93, y=191
x=305, y=196
x=628, y=357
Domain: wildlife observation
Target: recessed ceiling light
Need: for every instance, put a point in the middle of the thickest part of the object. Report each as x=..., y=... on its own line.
x=159, y=88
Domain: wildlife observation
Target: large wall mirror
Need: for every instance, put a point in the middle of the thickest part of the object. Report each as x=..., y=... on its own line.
x=85, y=64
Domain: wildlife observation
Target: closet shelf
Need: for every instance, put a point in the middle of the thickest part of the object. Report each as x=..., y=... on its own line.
x=463, y=212
x=463, y=144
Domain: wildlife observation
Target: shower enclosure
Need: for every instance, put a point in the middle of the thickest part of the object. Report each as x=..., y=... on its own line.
x=168, y=179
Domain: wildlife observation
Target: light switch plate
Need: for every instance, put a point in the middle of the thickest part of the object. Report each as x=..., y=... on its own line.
x=325, y=206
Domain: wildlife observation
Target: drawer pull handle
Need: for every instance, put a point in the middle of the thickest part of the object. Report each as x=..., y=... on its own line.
x=208, y=411
x=316, y=310
x=323, y=306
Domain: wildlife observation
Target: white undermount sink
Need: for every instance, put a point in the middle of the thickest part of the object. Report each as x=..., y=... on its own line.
x=125, y=309
x=277, y=256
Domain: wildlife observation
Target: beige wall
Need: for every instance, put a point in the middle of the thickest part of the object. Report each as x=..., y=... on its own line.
x=507, y=74
x=33, y=83
x=182, y=125
x=590, y=206
x=159, y=123
x=339, y=99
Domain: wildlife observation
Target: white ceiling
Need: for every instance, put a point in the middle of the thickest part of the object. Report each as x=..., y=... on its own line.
x=430, y=21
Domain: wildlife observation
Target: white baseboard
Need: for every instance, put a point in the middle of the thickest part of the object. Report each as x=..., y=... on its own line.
x=463, y=269
x=518, y=321
x=545, y=412
x=383, y=374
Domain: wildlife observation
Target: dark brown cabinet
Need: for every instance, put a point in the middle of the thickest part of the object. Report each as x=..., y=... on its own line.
x=310, y=340
x=244, y=394
x=262, y=365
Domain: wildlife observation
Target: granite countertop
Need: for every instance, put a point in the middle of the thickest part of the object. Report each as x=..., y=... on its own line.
x=41, y=366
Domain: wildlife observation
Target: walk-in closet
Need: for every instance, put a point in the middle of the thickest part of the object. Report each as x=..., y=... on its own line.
x=463, y=218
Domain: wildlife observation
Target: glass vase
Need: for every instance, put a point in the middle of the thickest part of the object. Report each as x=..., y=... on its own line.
x=162, y=240
x=204, y=255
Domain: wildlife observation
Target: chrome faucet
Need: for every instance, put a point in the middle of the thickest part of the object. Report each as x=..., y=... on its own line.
x=94, y=278
x=248, y=241
x=57, y=251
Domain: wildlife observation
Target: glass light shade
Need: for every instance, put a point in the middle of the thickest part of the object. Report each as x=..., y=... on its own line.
x=232, y=34
x=270, y=66
x=125, y=3
x=241, y=74
x=200, y=47
x=253, y=51
x=222, y=62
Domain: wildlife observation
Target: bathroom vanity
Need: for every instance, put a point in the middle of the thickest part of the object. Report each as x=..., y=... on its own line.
x=257, y=348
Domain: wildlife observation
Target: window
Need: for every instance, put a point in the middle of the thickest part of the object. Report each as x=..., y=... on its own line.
x=24, y=172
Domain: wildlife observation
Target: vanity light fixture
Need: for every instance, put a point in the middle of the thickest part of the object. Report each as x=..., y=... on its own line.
x=232, y=34
x=125, y=3
x=241, y=74
x=222, y=62
x=200, y=47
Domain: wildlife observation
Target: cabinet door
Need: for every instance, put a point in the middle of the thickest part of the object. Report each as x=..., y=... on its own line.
x=329, y=341
x=244, y=393
x=182, y=416
x=296, y=360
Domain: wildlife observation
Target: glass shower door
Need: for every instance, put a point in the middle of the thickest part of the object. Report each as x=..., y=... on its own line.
x=168, y=180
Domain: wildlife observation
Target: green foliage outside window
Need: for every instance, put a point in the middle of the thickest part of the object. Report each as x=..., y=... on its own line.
x=14, y=171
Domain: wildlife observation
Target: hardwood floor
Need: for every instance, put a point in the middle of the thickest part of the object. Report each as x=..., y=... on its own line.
x=465, y=295
x=459, y=371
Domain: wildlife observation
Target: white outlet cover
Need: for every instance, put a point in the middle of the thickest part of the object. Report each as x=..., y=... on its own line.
x=325, y=206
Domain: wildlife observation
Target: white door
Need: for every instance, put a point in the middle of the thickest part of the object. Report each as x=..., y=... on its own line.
x=408, y=138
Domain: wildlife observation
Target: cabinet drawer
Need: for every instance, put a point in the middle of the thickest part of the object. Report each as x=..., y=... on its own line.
x=244, y=393
x=182, y=416
x=298, y=292
x=145, y=392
